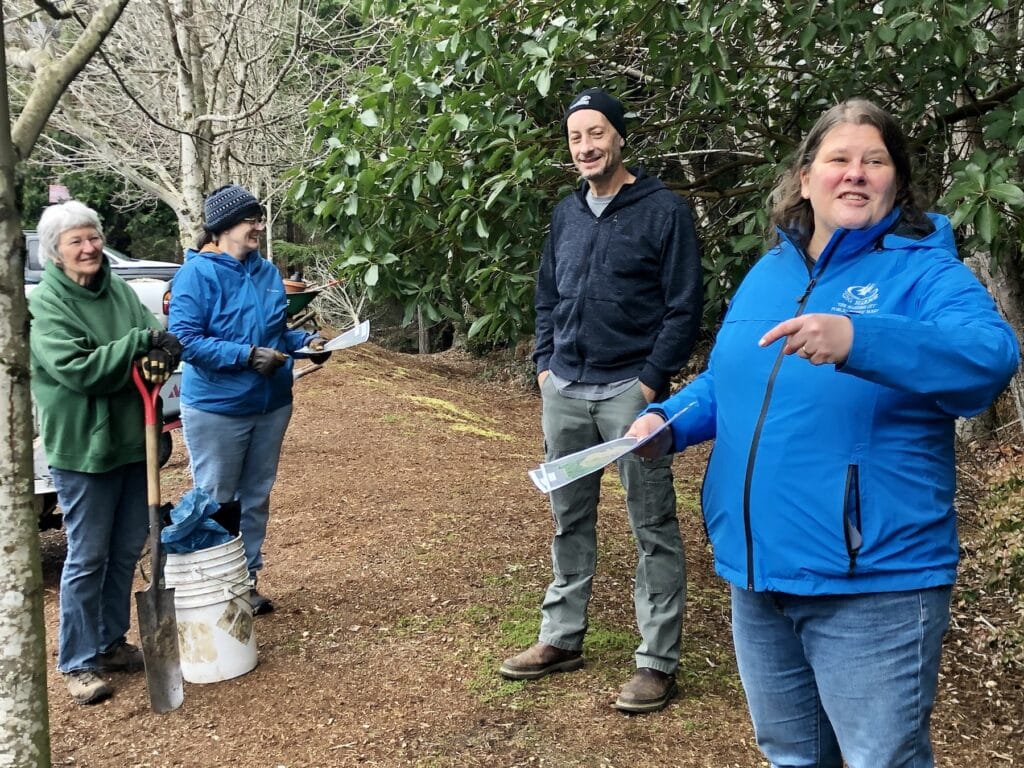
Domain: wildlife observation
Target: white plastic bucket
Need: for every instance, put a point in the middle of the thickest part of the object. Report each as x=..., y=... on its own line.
x=221, y=561
x=216, y=637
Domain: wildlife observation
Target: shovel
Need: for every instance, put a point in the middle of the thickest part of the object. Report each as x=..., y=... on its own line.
x=158, y=629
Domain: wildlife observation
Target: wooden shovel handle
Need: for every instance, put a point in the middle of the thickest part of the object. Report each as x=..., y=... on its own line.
x=149, y=397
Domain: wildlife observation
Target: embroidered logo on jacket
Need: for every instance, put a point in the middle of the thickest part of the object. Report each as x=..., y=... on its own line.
x=858, y=300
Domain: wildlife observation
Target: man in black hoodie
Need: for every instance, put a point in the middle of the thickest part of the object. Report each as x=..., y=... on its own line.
x=618, y=308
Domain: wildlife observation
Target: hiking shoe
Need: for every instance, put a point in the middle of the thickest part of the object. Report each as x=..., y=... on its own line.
x=648, y=690
x=539, y=660
x=123, y=657
x=260, y=604
x=86, y=687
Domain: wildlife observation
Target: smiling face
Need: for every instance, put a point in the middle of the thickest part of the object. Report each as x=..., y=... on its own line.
x=81, y=253
x=596, y=147
x=242, y=238
x=851, y=183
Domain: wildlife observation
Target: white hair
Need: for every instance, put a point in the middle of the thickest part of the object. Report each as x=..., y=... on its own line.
x=58, y=219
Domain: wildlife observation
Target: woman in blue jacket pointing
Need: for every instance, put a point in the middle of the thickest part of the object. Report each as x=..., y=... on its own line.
x=831, y=393
x=228, y=308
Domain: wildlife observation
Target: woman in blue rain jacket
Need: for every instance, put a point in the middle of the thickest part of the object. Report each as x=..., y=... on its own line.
x=844, y=359
x=229, y=310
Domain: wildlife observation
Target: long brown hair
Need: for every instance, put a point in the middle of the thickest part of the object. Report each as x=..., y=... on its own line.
x=794, y=214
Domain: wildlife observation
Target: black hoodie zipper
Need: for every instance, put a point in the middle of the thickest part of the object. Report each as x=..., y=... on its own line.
x=756, y=439
x=607, y=218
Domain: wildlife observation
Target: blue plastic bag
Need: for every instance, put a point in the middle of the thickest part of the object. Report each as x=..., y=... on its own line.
x=192, y=527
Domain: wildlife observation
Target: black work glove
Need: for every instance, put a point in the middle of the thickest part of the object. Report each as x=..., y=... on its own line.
x=156, y=366
x=317, y=344
x=169, y=343
x=265, y=360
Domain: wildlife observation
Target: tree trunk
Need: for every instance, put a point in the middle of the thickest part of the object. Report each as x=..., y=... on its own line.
x=193, y=142
x=1007, y=290
x=24, y=723
x=422, y=333
x=24, y=718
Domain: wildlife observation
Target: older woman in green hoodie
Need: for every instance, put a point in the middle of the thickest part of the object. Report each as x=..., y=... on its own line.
x=87, y=330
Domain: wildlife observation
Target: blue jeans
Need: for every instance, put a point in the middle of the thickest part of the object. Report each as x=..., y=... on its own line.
x=106, y=523
x=659, y=589
x=235, y=458
x=845, y=676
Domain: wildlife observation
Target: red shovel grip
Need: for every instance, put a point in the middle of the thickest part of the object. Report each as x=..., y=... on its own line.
x=149, y=396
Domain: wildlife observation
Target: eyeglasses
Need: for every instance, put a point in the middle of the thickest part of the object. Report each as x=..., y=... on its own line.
x=256, y=221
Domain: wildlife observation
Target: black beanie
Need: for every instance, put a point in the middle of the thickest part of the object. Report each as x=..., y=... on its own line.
x=600, y=100
x=228, y=205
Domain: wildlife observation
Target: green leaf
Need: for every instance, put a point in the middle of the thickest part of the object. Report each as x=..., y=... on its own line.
x=543, y=81
x=959, y=54
x=535, y=50
x=372, y=275
x=495, y=192
x=366, y=180
x=460, y=121
x=369, y=118
x=924, y=30
x=1008, y=193
x=987, y=221
x=479, y=323
x=807, y=36
x=481, y=228
x=434, y=172
x=962, y=215
x=417, y=185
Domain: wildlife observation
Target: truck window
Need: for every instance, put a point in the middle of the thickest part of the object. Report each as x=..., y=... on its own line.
x=32, y=245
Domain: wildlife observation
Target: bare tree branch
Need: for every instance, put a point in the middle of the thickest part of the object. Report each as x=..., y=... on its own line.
x=55, y=77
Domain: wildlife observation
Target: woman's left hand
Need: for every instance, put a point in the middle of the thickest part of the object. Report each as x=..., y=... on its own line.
x=818, y=338
x=642, y=427
x=316, y=343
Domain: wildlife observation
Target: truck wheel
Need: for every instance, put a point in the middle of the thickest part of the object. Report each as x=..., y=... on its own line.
x=164, y=448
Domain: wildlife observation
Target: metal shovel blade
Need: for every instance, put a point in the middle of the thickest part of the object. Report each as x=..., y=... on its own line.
x=158, y=631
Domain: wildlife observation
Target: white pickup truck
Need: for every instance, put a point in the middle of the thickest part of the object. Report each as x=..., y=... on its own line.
x=151, y=282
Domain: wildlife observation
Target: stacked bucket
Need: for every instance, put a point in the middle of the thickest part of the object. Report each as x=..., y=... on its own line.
x=216, y=640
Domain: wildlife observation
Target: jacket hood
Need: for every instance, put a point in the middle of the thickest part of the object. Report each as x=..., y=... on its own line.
x=629, y=193
x=936, y=232
x=213, y=254
x=893, y=231
x=58, y=277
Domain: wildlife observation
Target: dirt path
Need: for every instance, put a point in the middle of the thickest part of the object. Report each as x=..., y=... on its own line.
x=407, y=554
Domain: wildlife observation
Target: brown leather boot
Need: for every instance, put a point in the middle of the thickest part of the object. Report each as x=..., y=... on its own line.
x=123, y=657
x=648, y=690
x=86, y=687
x=539, y=660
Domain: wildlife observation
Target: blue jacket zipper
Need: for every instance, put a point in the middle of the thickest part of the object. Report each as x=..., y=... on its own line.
x=756, y=439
